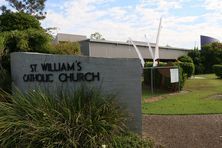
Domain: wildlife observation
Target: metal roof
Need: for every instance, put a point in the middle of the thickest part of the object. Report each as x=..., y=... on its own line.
x=138, y=43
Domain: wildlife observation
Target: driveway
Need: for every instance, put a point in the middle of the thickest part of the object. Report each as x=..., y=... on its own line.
x=184, y=131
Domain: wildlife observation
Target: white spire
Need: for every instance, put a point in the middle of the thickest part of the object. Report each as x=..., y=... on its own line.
x=157, y=56
x=138, y=53
x=150, y=49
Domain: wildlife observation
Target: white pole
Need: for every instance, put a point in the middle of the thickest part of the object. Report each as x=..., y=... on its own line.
x=138, y=52
x=150, y=48
x=157, y=56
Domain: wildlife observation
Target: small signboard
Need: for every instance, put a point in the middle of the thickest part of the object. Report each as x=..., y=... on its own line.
x=174, y=75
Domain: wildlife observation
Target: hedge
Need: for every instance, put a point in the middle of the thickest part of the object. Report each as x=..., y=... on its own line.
x=218, y=70
x=186, y=63
x=188, y=68
x=150, y=64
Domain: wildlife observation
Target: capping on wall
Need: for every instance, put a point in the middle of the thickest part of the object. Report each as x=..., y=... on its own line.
x=122, y=77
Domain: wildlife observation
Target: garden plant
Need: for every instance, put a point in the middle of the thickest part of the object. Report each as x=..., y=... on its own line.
x=85, y=119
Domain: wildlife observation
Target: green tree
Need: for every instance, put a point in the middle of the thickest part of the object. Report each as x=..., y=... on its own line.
x=32, y=7
x=30, y=40
x=197, y=60
x=211, y=55
x=97, y=36
x=18, y=21
x=20, y=31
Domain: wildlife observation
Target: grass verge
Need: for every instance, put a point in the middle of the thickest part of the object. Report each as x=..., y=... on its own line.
x=202, y=96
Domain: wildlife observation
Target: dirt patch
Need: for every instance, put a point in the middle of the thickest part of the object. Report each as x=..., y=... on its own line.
x=184, y=131
x=215, y=97
x=181, y=92
x=158, y=98
x=196, y=77
x=154, y=99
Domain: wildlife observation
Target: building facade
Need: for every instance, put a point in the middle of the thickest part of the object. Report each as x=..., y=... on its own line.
x=116, y=49
x=204, y=40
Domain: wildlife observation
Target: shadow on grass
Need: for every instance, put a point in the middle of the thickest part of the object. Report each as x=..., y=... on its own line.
x=147, y=93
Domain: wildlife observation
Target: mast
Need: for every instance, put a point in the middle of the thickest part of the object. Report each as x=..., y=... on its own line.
x=157, y=54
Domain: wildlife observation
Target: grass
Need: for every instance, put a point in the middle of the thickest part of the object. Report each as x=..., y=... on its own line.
x=197, y=98
x=148, y=94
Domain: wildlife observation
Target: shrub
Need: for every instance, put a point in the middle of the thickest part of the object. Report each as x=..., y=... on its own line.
x=86, y=119
x=199, y=68
x=218, y=70
x=130, y=140
x=186, y=63
x=185, y=59
x=2, y=45
x=5, y=80
x=150, y=64
x=188, y=68
x=183, y=75
x=71, y=48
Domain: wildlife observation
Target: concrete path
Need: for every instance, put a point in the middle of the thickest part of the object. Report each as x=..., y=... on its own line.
x=184, y=131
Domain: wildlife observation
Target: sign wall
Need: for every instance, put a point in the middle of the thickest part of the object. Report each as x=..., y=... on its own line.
x=55, y=73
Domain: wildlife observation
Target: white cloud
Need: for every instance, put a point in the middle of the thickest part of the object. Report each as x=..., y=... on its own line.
x=214, y=5
x=163, y=4
x=2, y=2
x=117, y=12
x=119, y=23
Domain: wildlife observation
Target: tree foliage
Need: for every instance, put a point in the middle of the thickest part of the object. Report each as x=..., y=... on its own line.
x=18, y=21
x=1, y=45
x=211, y=54
x=5, y=80
x=32, y=7
x=97, y=36
x=20, y=31
x=185, y=58
x=197, y=60
x=30, y=40
x=70, y=48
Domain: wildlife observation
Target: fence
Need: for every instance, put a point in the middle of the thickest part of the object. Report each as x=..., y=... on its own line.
x=165, y=78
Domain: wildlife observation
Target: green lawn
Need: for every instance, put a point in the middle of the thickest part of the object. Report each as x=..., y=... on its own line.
x=198, y=98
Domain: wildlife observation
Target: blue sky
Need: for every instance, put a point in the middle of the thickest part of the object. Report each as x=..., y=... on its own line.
x=183, y=20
